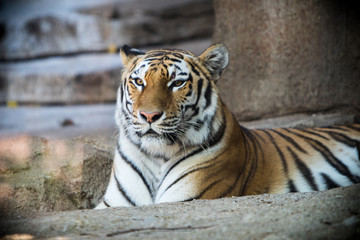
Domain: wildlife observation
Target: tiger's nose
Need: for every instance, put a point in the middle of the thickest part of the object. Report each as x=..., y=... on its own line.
x=150, y=117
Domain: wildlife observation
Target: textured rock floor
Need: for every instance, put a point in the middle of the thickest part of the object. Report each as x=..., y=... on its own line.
x=333, y=214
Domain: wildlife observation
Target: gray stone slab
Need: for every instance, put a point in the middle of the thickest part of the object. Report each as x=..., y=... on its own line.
x=332, y=214
x=87, y=78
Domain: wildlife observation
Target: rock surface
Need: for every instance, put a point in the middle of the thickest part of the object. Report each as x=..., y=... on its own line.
x=39, y=175
x=333, y=214
x=286, y=57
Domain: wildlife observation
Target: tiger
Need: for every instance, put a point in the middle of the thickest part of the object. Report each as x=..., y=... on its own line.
x=177, y=141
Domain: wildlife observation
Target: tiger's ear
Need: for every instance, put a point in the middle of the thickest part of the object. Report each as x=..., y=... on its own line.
x=128, y=54
x=215, y=59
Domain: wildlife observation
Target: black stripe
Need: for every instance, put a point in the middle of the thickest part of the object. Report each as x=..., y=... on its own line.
x=208, y=95
x=105, y=203
x=204, y=191
x=329, y=157
x=200, y=83
x=122, y=90
x=135, y=169
x=127, y=104
x=134, y=65
x=292, y=186
x=253, y=137
x=233, y=186
x=254, y=142
x=162, y=72
x=199, y=125
x=354, y=127
x=305, y=171
x=336, y=128
x=193, y=69
x=329, y=182
x=189, y=93
x=289, y=139
x=156, y=54
x=252, y=160
x=283, y=160
x=177, y=67
x=178, y=162
x=186, y=174
x=258, y=135
x=342, y=138
x=175, y=60
x=313, y=133
x=207, y=74
x=242, y=170
x=190, y=78
x=123, y=192
x=152, y=59
x=178, y=55
x=194, y=106
x=215, y=139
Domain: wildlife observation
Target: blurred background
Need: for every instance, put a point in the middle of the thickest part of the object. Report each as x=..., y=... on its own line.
x=59, y=64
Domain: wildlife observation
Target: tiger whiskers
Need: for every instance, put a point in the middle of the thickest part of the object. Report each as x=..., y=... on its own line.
x=116, y=133
x=183, y=144
x=187, y=125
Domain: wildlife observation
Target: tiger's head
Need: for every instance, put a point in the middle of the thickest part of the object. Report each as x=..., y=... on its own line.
x=168, y=100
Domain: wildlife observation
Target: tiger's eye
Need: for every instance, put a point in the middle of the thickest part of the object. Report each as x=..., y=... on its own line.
x=178, y=83
x=139, y=82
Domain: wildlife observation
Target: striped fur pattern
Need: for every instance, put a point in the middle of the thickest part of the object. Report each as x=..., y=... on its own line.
x=179, y=142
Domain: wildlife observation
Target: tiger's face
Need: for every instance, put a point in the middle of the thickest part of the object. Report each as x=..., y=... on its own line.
x=167, y=98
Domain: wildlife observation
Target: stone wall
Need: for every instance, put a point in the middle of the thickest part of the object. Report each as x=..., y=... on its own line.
x=287, y=57
x=66, y=52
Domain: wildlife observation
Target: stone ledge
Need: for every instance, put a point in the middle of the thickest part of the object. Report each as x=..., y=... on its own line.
x=88, y=78
x=302, y=120
x=332, y=214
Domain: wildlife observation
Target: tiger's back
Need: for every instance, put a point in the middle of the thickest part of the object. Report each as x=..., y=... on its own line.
x=178, y=141
x=301, y=160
